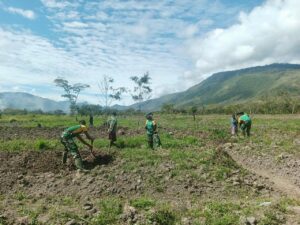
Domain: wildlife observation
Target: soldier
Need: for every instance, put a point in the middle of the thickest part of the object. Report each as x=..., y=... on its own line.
x=112, y=130
x=67, y=139
x=150, y=127
x=245, y=123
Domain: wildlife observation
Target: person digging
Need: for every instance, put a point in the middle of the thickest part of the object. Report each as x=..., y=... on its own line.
x=67, y=139
x=245, y=123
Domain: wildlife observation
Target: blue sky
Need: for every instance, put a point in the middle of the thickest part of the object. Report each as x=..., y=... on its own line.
x=180, y=42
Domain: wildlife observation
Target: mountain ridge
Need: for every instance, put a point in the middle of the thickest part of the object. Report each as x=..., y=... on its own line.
x=24, y=100
x=226, y=87
x=235, y=85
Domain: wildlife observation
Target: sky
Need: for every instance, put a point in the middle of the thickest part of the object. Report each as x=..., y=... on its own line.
x=179, y=42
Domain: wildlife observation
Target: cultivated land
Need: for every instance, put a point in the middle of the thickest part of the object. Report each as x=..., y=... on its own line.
x=201, y=175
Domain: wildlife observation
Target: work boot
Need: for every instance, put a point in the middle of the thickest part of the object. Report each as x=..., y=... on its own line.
x=64, y=157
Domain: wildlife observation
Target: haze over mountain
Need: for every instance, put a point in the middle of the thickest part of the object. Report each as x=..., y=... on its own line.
x=21, y=100
x=229, y=87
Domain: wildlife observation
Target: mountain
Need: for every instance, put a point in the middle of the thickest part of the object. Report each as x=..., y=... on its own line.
x=21, y=100
x=233, y=86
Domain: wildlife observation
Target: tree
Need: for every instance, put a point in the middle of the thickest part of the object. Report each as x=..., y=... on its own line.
x=71, y=92
x=108, y=93
x=168, y=108
x=142, y=90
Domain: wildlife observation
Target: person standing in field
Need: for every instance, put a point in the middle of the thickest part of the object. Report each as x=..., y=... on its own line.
x=67, y=139
x=234, y=125
x=150, y=127
x=112, y=130
x=91, y=120
x=245, y=123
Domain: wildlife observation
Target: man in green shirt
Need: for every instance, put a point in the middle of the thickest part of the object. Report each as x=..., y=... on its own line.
x=112, y=130
x=67, y=139
x=245, y=123
x=150, y=127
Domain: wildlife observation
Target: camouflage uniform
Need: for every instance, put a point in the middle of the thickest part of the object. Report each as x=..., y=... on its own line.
x=67, y=139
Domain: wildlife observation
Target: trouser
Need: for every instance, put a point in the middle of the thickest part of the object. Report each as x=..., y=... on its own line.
x=112, y=136
x=246, y=127
x=234, y=130
x=150, y=140
x=71, y=147
x=156, y=141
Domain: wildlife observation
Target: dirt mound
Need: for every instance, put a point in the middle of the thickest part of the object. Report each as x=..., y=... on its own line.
x=31, y=162
x=15, y=166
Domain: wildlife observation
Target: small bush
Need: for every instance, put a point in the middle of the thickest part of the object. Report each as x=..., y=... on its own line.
x=20, y=196
x=41, y=145
x=163, y=217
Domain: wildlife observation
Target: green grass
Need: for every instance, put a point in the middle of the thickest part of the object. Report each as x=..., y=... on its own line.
x=110, y=209
x=17, y=145
x=143, y=203
x=220, y=213
x=189, y=151
x=163, y=216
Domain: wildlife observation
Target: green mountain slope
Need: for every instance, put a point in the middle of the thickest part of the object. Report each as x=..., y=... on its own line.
x=234, y=86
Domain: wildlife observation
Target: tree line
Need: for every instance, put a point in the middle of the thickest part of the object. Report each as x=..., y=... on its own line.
x=108, y=93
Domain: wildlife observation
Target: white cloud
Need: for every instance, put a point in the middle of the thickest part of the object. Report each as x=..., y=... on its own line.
x=268, y=34
x=25, y=13
x=57, y=4
x=75, y=24
x=121, y=39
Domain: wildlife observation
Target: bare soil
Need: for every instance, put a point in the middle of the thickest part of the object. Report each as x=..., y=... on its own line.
x=283, y=170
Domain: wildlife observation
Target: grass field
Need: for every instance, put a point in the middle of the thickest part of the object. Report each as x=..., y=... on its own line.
x=189, y=180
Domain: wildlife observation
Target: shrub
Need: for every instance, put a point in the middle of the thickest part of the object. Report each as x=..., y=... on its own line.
x=163, y=217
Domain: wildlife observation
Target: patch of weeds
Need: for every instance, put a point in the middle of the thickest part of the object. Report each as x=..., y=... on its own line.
x=67, y=201
x=136, y=158
x=41, y=145
x=20, y=196
x=32, y=215
x=58, y=214
x=219, y=134
x=156, y=183
x=111, y=178
x=217, y=213
x=273, y=218
x=135, y=141
x=163, y=217
x=3, y=221
x=120, y=143
x=110, y=209
x=143, y=203
x=221, y=173
x=275, y=215
x=188, y=159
